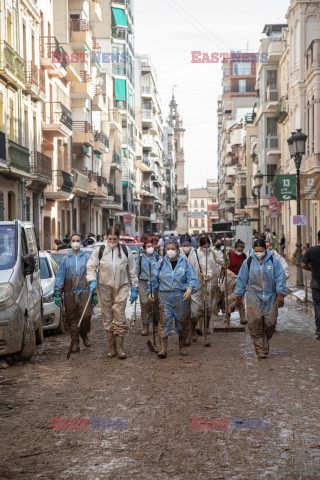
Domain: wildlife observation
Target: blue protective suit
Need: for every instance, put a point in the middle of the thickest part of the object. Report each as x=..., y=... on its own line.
x=149, y=314
x=143, y=272
x=262, y=283
x=171, y=286
x=71, y=281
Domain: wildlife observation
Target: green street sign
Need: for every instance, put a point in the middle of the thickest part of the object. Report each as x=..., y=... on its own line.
x=286, y=187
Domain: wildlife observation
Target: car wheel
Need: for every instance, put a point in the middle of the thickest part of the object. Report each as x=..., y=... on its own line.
x=28, y=341
x=62, y=328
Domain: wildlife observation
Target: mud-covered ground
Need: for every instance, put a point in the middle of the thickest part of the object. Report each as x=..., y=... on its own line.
x=155, y=401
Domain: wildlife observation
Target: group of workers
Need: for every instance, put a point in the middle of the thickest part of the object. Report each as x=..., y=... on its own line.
x=180, y=287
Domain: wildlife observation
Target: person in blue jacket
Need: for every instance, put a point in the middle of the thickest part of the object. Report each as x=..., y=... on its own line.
x=145, y=267
x=175, y=280
x=71, y=281
x=263, y=279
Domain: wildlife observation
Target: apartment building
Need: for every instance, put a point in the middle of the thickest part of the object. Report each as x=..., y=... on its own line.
x=203, y=208
x=238, y=99
x=170, y=170
x=175, y=122
x=151, y=182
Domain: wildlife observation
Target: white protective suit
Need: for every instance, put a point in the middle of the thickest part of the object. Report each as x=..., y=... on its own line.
x=113, y=285
x=282, y=261
x=213, y=283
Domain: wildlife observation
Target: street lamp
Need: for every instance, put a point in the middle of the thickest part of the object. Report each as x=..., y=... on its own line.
x=297, y=148
x=258, y=179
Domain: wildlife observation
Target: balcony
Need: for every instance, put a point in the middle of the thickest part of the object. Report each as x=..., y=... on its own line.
x=272, y=98
x=312, y=58
x=81, y=181
x=11, y=65
x=53, y=58
x=18, y=158
x=116, y=160
x=95, y=11
x=57, y=120
x=128, y=176
x=92, y=185
x=102, y=186
x=272, y=142
x=98, y=103
x=40, y=168
x=144, y=213
x=84, y=88
x=274, y=51
x=143, y=163
x=80, y=35
x=127, y=140
x=147, y=91
x=240, y=89
x=115, y=120
x=61, y=187
x=82, y=133
x=119, y=33
x=182, y=191
x=101, y=142
x=34, y=81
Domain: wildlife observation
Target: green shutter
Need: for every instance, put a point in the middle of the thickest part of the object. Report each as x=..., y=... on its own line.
x=119, y=17
x=120, y=88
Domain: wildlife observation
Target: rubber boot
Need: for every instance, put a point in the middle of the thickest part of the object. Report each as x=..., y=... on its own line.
x=243, y=320
x=199, y=327
x=164, y=348
x=119, y=345
x=193, y=334
x=188, y=340
x=112, y=345
x=86, y=341
x=145, y=330
x=76, y=345
x=182, y=346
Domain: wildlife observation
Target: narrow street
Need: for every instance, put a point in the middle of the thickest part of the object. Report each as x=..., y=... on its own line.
x=156, y=400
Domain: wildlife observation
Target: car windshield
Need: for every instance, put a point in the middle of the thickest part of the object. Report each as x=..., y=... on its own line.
x=7, y=246
x=58, y=257
x=133, y=248
x=45, y=271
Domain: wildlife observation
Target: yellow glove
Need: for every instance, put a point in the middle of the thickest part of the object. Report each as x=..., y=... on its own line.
x=205, y=277
x=187, y=294
x=152, y=297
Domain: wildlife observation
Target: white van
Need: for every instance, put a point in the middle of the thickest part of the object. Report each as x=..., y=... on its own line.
x=20, y=290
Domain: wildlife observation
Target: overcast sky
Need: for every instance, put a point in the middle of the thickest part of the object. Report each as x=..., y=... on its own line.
x=168, y=30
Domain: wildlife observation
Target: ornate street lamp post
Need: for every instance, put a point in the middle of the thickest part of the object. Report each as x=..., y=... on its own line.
x=258, y=179
x=297, y=148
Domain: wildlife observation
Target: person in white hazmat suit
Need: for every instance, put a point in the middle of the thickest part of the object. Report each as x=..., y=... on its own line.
x=197, y=260
x=116, y=269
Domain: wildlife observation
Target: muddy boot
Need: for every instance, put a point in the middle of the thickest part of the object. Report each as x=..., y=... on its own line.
x=86, y=341
x=76, y=345
x=119, y=345
x=188, y=340
x=243, y=320
x=182, y=346
x=208, y=326
x=199, y=327
x=112, y=345
x=164, y=348
x=193, y=334
x=261, y=355
x=145, y=330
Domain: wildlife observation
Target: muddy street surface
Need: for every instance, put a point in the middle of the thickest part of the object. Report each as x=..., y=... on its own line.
x=139, y=418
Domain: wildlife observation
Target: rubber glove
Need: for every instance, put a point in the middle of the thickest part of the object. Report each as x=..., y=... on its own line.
x=57, y=300
x=93, y=285
x=280, y=300
x=134, y=294
x=187, y=294
x=152, y=297
x=239, y=302
x=94, y=299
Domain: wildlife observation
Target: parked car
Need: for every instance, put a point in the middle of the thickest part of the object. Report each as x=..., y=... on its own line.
x=20, y=290
x=58, y=255
x=53, y=316
x=135, y=250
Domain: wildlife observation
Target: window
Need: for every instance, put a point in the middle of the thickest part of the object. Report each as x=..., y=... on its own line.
x=9, y=28
x=202, y=203
x=271, y=169
x=311, y=30
x=242, y=85
x=7, y=247
x=196, y=203
x=242, y=68
x=196, y=222
x=45, y=271
x=11, y=120
x=26, y=128
x=1, y=111
x=202, y=222
x=272, y=79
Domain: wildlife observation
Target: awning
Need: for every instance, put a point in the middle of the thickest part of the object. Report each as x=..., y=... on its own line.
x=119, y=17
x=120, y=89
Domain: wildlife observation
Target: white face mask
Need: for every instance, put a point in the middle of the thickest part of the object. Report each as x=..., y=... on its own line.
x=112, y=245
x=75, y=245
x=186, y=249
x=171, y=253
x=260, y=255
x=150, y=250
x=239, y=253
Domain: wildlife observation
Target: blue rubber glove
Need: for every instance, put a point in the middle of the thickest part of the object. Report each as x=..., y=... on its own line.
x=134, y=294
x=93, y=285
x=57, y=300
x=94, y=299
